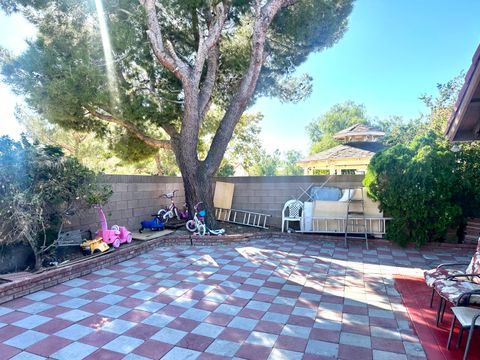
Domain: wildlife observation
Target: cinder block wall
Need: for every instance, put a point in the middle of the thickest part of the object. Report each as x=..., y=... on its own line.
x=136, y=198
x=268, y=194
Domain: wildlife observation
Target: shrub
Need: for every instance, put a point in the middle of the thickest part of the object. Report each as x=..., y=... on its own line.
x=416, y=185
x=40, y=189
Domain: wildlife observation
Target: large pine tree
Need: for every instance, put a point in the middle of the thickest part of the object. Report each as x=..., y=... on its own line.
x=173, y=59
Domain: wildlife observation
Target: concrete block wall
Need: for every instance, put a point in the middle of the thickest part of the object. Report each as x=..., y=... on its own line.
x=268, y=194
x=136, y=198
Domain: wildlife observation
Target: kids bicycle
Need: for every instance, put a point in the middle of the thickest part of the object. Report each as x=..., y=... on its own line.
x=172, y=210
x=198, y=226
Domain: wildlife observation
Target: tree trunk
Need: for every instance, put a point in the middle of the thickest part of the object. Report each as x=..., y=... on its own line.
x=159, y=166
x=38, y=256
x=198, y=188
x=38, y=260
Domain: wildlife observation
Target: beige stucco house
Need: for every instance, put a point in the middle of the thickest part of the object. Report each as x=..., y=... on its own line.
x=360, y=143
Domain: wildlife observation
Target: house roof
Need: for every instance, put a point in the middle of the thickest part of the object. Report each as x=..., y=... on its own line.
x=354, y=149
x=358, y=130
x=464, y=123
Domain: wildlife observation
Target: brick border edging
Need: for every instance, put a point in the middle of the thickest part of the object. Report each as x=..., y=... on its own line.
x=50, y=277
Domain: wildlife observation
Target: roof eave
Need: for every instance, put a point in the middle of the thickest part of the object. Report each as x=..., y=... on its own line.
x=346, y=135
x=454, y=131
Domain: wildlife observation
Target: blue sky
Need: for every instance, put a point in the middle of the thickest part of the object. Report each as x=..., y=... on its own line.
x=393, y=51
x=14, y=30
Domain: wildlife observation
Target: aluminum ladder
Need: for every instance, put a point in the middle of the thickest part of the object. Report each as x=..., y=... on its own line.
x=242, y=217
x=355, y=221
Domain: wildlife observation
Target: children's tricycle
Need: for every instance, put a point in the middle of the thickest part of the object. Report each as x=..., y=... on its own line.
x=116, y=235
x=155, y=224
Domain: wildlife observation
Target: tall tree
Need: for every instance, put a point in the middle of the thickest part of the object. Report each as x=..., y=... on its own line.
x=440, y=106
x=173, y=59
x=290, y=163
x=101, y=154
x=338, y=117
x=266, y=164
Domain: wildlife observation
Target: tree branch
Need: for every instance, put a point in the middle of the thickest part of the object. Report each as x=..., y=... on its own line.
x=263, y=18
x=165, y=53
x=156, y=143
x=196, y=33
x=54, y=243
x=158, y=97
x=209, y=82
x=171, y=131
x=211, y=41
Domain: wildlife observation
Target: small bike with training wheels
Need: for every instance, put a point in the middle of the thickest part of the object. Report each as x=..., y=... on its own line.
x=198, y=226
x=172, y=210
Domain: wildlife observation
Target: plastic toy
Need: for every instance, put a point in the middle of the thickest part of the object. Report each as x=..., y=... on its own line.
x=116, y=235
x=155, y=224
x=94, y=246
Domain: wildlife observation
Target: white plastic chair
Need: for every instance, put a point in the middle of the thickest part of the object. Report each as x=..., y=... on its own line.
x=469, y=318
x=292, y=211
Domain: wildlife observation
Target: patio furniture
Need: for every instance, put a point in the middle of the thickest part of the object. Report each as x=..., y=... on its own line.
x=443, y=271
x=292, y=211
x=469, y=318
x=458, y=293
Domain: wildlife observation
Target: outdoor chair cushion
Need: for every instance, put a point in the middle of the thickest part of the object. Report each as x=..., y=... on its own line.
x=452, y=290
x=474, y=267
x=433, y=275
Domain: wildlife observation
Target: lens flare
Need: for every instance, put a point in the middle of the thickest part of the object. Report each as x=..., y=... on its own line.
x=108, y=54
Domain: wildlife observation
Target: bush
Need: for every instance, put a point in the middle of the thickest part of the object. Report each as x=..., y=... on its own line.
x=40, y=189
x=468, y=187
x=416, y=184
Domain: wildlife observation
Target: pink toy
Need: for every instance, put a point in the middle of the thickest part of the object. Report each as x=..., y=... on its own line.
x=115, y=236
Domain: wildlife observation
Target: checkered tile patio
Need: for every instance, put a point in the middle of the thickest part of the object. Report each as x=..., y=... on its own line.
x=265, y=299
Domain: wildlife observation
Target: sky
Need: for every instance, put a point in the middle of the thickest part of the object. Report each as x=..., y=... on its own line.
x=393, y=52
x=14, y=30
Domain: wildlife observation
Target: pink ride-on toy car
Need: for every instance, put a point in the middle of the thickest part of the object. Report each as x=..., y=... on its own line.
x=116, y=235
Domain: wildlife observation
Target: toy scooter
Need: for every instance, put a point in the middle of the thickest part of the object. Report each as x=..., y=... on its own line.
x=116, y=235
x=155, y=224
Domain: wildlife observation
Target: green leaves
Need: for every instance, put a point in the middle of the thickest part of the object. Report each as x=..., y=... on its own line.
x=62, y=74
x=41, y=189
x=416, y=185
x=339, y=117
